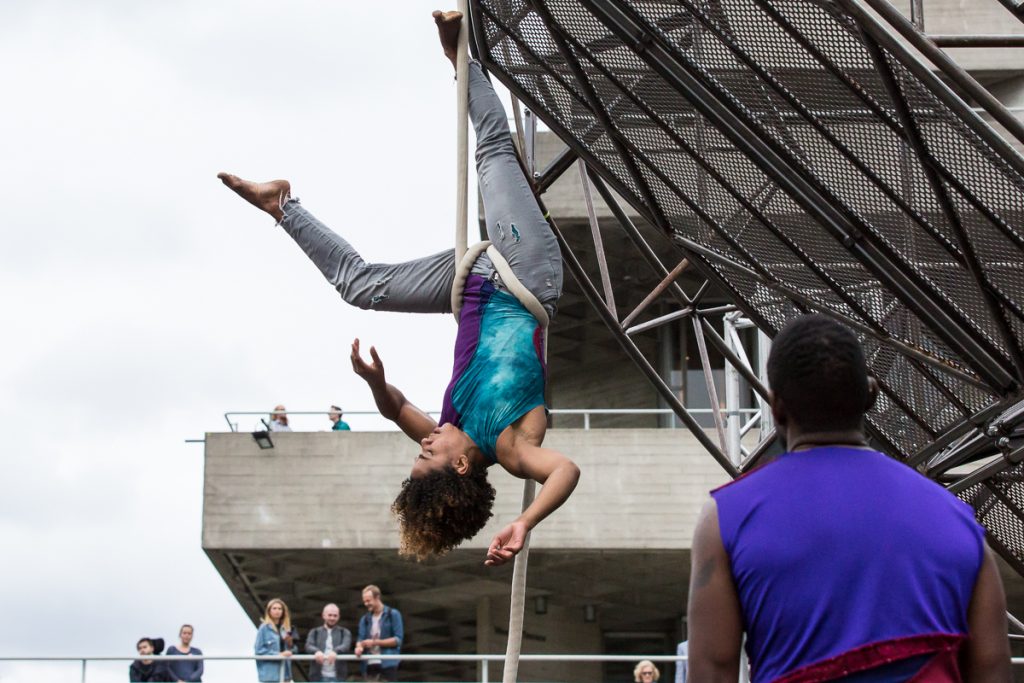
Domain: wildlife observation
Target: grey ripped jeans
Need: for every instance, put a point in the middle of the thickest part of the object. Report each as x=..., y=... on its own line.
x=514, y=224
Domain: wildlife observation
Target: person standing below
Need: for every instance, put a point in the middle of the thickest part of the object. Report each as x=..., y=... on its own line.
x=279, y=419
x=834, y=558
x=149, y=669
x=681, y=651
x=186, y=671
x=335, y=417
x=275, y=637
x=380, y=633
x=326, y=643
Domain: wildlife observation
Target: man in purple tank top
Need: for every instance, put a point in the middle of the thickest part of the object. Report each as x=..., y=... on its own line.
x=837, y=562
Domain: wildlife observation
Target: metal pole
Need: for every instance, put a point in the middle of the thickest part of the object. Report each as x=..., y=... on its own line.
x=764, y=347
x=917, y=14
x=485, y=670
x=978, y=40
x=656, y=292
x=709, y=380
x=595, y=231
x=732, y=393
x=1015, y=7
x=84, y=663
x=462, y=130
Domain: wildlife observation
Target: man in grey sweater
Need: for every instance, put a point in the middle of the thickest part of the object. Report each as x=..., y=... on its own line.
x=326, y=643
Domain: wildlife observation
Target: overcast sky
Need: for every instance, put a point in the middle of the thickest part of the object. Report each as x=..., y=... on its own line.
x=142, y=300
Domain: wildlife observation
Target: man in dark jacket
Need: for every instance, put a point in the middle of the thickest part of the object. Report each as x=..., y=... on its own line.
x=326, y=643
x=148, y=669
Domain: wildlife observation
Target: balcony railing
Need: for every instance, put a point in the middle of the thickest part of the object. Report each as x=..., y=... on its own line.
x=586, y=413
x=482, y=660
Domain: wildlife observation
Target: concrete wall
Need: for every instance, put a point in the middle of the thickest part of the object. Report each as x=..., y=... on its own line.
x=333, y=490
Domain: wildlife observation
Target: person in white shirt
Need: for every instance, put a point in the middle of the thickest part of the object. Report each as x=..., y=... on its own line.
x=279, y=419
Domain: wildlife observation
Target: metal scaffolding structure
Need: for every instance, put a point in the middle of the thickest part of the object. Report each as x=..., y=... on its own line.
x=801, y=159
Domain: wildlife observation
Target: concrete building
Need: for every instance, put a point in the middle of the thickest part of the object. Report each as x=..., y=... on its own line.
x=609, y=572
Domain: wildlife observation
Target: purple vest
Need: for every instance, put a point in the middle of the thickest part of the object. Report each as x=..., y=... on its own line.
x=841, y=549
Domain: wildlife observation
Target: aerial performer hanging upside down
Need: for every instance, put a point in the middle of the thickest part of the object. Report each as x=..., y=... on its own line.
x=493, y=409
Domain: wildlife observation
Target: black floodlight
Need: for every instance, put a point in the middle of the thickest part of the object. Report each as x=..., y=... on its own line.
x=262, y=439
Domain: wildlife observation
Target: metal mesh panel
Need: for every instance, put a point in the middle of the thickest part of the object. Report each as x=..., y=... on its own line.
x=802, y=166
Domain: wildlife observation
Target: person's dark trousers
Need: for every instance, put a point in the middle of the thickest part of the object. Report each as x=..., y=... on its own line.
x=374, y=672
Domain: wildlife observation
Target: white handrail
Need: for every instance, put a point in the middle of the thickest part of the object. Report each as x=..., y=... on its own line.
x=585, y=412
x=482, y=659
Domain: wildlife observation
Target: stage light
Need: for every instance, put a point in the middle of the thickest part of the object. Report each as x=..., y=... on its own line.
x=262, y=439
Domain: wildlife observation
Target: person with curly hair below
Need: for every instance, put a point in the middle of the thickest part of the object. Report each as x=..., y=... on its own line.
x=493, y=409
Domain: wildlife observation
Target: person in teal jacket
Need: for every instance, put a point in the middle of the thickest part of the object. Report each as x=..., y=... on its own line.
x=335, y=417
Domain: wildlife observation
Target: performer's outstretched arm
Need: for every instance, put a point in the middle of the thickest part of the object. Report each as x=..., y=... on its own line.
x=391, y=402
x=558, y=476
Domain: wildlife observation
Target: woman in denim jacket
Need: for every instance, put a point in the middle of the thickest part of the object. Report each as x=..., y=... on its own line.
x=275, y=637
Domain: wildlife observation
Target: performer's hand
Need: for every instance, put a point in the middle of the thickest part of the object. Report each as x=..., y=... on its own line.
x=371, y=372
x=507, y=543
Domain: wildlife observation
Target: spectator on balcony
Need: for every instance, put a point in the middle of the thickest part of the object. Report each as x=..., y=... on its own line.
x=275, y=637
x=186, y=671
x=149, y=669
x=835, y=559
x=335, y=417
x=380, y=633
x=279, y=419
x=325, y=643
x=645, y=672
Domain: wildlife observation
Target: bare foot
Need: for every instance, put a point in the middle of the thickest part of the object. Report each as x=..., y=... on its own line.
x=448, y=26
x=269, y=196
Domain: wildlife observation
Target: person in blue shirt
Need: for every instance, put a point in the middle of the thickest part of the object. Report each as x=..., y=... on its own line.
x=381, y=632
x=191, y=670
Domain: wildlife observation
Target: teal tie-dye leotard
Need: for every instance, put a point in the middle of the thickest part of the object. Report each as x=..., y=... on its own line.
x=499, y=368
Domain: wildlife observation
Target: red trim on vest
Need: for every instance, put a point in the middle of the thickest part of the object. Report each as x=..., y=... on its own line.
x=943, y=668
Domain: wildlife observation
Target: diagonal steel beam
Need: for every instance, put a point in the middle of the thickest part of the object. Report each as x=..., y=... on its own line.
x=950, y=68
x=899, y=278
x=595, y=233
x=972, y=263
x=656, y=292
x=596, y=106
x=709, y=381
x=555, y=170
x=594, y=297
x=891, y=122
x=795, y=295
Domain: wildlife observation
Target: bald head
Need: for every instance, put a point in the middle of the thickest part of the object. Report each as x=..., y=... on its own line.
x=330, y=615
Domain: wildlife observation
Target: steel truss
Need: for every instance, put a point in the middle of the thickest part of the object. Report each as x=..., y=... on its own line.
x=800, y=159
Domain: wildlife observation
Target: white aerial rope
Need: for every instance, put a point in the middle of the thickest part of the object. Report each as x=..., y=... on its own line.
x=465, y=263
x=462, y=169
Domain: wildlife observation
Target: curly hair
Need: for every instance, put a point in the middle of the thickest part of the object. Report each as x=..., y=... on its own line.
x=440, y=510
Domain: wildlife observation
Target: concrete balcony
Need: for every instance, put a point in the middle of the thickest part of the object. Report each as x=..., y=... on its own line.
x=309, y=521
